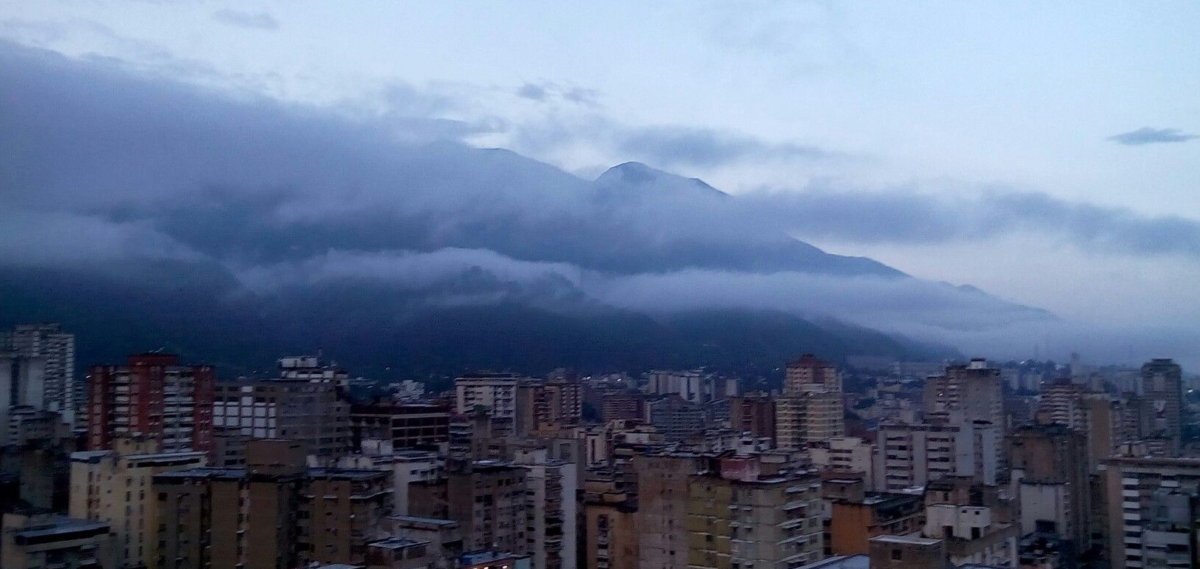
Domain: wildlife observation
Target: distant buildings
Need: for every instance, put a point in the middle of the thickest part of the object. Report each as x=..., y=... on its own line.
x=55, y=349
x=304, y=404
x=811, y=408
x=493, y=392
x=911, y=455
x=1160, y=403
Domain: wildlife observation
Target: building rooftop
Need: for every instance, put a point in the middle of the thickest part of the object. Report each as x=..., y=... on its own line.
x=58, y=528
x=842, y=562
x=901, y=539
x=420, y=520
x=397, y=543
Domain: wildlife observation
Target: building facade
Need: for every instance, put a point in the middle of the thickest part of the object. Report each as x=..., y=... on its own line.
x=152, y=396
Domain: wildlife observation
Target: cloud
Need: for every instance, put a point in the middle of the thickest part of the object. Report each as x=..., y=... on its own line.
x=548, y=92
x=1148, y=135
x=673, y=146
x=909, y=216
x=248, y=20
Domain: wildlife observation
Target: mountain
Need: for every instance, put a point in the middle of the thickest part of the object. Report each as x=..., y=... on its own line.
x=144, y=212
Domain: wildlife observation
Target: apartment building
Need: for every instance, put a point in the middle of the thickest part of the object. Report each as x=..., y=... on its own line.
x=407, y=425
x=115, y=487
x=753, y=413
x=1152, y=511
x=1160, y=403
x=152, y=396
x=846, y=455
x=552, y=524
x=610, y=532
x=300, y=406
x=911, y=455
x=486, y=498
x=737, y=516
x=55, y=348
x=496, y=393
x=810, y=374
x=1051, y=481
x=675, y=418
x=274, y=513
x=662, y=514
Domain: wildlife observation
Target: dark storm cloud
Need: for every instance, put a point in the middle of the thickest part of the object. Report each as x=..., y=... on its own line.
x=1148, y=135
x=249, y=20
x=101, y=162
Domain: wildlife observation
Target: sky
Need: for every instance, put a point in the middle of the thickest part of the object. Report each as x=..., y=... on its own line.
x=1047, y=153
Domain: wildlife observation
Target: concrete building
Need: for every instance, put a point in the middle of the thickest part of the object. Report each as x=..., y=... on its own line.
x=1160, y=398
x=115, y=487
x=910, y=455
x=662, y=515
x=622, y=404
x=806, y=418
x=486, y=498
x=846, y=455
x=406, y=466
x=443, y=537
x=906, y=552
x=974, y=389
x=494, y=392
x=688, y=385
x=809, y=374
x=753, y=413
x=971, y=535
x=302, y=405
x=21, y=386
x=675, y=418
x=276, y=512
x=738, y=516
x=56, y=349
x=854, y=521
x=552, y=524
x=152, y=396
x=1063, y=403
x=1050, y=480
x=610, y=531
x=408, y=425
x=46, y=541
x=1152, y=511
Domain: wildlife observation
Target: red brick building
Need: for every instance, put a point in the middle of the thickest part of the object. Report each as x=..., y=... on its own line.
x=153, y=396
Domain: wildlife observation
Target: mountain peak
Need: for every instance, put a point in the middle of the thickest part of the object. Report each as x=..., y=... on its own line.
x=639, y=174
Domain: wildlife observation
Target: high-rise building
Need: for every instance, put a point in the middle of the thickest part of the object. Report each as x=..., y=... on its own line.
x=674, y=417
x=115, y=486
x=56, y=349
x=976, y=390
x=1063, y=403
x=753, y=413
x=552, y=524
x=1050, y=478
x=152, y=396
x=1152, y=511
x=662, y=515
x=811, y=409
x=547, y=406
x=810, y=374
x=611, y=535
x=21, y=381
x=737, y=516
x=846, y=455
x=688, y=385
x=487, y=499
x=1161, y=403
x=619, y=404
x=274, y=513
x=913, y=454
x=302, y=408
x=496, y=393
x=406, y=425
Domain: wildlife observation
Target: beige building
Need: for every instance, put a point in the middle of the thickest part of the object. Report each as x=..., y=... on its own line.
x=739, y=517
x=274, y=513
x=911, y=455
x=661, y=519
x=811, y=375
x=611, y=536
x=846, y=455
x=811, y=409
x=116, y=487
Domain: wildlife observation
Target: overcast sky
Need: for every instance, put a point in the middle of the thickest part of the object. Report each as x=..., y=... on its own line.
x=1086, y=115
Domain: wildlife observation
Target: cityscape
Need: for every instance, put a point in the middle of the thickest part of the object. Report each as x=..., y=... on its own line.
x=679, y=284
x=160, y=462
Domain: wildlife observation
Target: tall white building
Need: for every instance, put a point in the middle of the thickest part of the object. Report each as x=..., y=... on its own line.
x=495, y=393
x=914, y=454
x=56, y=349
x=846, y=454
x=551, y=525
